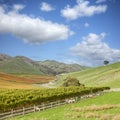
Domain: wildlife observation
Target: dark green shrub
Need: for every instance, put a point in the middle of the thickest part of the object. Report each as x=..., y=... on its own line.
x=71, y=81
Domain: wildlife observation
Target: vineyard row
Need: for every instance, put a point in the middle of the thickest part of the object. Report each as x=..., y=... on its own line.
x=15, y=99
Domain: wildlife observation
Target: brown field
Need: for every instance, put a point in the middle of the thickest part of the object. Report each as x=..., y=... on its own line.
x=22, y=81
x=39, y=78
x=15, y=85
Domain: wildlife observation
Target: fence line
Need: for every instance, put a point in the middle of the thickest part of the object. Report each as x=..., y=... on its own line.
x=42, y=107
x=34, y=108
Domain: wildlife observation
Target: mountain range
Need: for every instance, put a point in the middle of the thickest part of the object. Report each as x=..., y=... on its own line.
x=24, y=65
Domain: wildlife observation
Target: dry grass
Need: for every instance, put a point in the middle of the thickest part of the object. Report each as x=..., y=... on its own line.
x=13, y=78
x=43, y=119
x=68, y=115
x=29, y=79
x=21, y=81
x=39, y=78
x=93, y=112
x=105, y=117
x=39, y=119
x=96, y=108
x=14, y=85
x=91, y=115
x=116, y=117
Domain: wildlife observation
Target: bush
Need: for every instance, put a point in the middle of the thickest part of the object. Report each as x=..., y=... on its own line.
x=70, y=81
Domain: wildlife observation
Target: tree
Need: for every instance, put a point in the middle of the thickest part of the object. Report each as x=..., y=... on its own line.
x=106, y=62
x=71, y=81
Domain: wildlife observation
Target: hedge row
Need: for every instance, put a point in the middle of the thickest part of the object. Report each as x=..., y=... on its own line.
x=16, y=98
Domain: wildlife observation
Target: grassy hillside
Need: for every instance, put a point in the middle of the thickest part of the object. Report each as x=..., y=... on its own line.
x=105, y=107
x=20, y=66
x=101, y=76
x=24, y=65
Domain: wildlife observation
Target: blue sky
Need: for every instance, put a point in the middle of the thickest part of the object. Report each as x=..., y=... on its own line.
x=70, y=31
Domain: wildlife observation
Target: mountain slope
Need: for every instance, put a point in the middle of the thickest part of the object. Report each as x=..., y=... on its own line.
x=24, y=65
x=58, y=67
x=19, y=65
x=4, y=57
x=101, y=76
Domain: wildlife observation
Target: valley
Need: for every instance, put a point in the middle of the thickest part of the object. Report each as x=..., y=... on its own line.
x=24, y=82
x=59, y=60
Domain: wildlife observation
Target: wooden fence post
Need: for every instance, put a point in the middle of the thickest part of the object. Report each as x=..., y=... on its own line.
x=34, y=108
x=51, y=104
x=58, y=103
x=23, y=110
x=43, y=106
x=12, y=113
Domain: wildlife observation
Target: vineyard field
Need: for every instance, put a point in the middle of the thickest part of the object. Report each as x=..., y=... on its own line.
x=16, y=98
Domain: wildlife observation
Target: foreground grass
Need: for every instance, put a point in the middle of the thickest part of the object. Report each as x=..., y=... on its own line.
x=105, y=107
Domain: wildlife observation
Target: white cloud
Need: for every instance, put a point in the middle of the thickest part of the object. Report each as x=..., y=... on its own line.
x=100, y=1
x=94, y=51
x=86, y=24
x=31, y=30
x=18, y=7
x=46, y=7
x=82, y=9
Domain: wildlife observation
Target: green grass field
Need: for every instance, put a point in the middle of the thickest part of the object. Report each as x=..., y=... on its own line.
x=101, y=76
x=105, y=107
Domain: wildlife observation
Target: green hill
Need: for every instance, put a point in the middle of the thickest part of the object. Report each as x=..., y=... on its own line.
x=101, y=76
x=24, y=65
x=19, y=65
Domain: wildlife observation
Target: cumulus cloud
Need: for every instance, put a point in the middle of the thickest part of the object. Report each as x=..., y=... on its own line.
x=82, y=9
x=18, y=7
x=93, y=49
x=100, y=1
x=86, y=24
x=46, y=7
x=31, y=30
